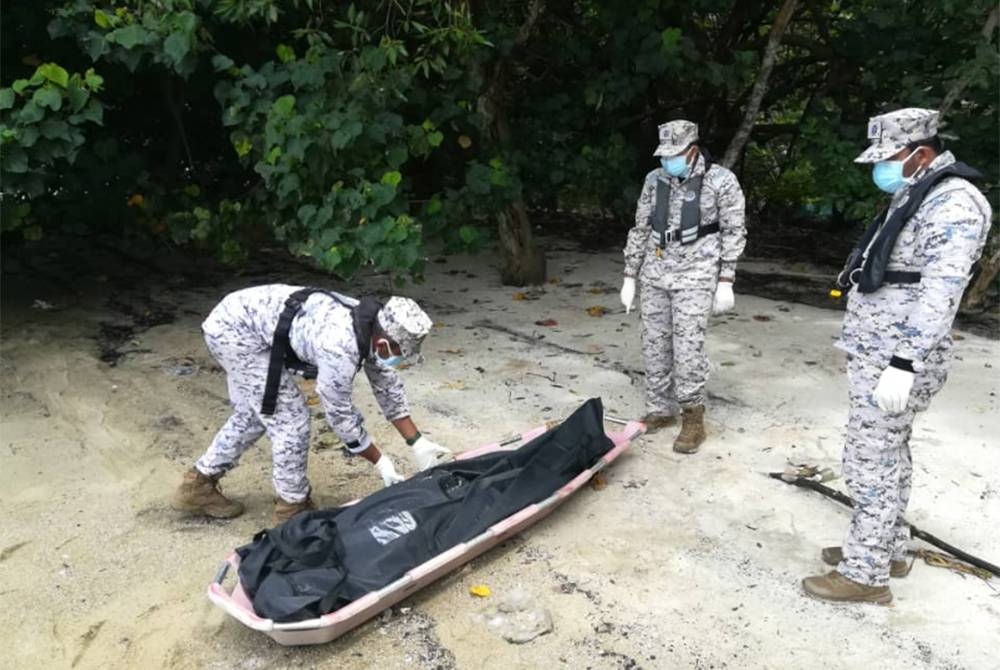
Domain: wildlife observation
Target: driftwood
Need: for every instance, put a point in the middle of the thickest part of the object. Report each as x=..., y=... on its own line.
x=914, y=531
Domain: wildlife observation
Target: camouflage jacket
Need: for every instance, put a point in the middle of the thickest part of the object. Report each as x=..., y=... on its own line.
x=322, y=334
x=942, y=241
x=702, y=263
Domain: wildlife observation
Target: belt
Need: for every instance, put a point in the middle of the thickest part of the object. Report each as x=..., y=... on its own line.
x=675, y=235
x=901, y=277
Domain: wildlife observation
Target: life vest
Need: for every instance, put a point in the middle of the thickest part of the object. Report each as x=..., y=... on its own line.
x=866, y=265
x=690, y=229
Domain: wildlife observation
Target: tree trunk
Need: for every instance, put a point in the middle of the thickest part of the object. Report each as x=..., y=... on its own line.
x=742, y=135
x=989, y=269
x=963, y=81
x=523, y=259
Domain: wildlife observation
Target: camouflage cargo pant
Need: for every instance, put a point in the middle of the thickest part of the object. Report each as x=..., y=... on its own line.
x=673, y=346
x=287, y=428
x=878, y=470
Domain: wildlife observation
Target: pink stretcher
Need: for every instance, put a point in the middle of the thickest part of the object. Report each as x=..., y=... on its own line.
x=331, y=626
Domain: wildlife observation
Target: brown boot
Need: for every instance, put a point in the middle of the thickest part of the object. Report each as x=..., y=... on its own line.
x=199, y=494
x=283, y=510
x=836, y=587
x=655, y=422
x=834, y=555
x=692, y=430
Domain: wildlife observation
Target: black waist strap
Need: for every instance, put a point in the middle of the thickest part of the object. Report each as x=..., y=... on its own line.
x=901, y=277
x=279, y=348
x=674, y=235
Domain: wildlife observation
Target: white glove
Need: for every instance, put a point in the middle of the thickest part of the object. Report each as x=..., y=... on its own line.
x=724, y=298
x=427, y=454
x=628, y=293
x=893, y=390
x=388, y=471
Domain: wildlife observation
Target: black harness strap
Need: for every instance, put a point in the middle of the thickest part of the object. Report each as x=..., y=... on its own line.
x=284, y=357
x=280, y=348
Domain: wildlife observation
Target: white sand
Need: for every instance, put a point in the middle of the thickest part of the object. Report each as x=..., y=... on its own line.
x=680, y=562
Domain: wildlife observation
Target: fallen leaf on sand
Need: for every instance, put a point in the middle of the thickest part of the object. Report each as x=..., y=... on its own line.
x=554, y=280
x=456, y=385
x=519, y=296
x=598, y=482
x=761, y=317
x=597, y=310
x=452, y=351
x=481, y=591
x=547, y=322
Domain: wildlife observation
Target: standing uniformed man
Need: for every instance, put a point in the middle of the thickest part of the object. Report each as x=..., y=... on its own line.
x=906, y=280
x=258, y=335
x=689, y=231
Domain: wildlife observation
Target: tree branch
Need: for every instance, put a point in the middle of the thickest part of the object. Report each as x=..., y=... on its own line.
x=963, y=81
x=739, y=141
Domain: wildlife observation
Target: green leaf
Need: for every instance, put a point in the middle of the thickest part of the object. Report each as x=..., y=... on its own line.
x=28, y=135
x=54, y=73
x=434, y=139
x=19, y=85
x=93, y=112
x=77, y=97
x=284, y=105
x=32, y=233
x=31, y=113
x=468, y=234
x=286, y=54
x=221, y=62
x=48, y=97
x=670, y=38
x=54, y=129
x=101, y=19
x=242, y=146
x=177, y=46
x=15, y=162
x=129, y=36
x=273, y=155
x=6, y=98
x=393, y=178
x=96, y=45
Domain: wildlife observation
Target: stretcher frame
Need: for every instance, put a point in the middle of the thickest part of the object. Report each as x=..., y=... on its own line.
x=235, y=602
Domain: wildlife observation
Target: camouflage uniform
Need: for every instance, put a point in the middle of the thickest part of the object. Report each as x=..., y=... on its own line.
x=239, y=333
x=913, y=322
x=678, y=284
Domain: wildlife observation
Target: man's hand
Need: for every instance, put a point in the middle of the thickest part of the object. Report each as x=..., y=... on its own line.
x=387, y=471
x=427, y=454
x=724, y=298
x=628, y=293
x=893, y=390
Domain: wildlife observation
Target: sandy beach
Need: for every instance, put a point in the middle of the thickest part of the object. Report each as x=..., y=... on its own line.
x=678, y=562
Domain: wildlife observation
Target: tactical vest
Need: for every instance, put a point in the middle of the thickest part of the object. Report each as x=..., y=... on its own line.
x=866, y=265
x=283, y=356
x=690, y=229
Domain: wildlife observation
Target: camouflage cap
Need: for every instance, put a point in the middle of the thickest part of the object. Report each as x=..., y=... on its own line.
x=675, y=137
x=402, y=320
x=890, y=133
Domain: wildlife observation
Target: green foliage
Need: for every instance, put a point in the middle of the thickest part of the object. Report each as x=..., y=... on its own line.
x=44, y=122
x=354, y=133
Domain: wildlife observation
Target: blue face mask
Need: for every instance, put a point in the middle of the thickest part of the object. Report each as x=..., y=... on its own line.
x=390, y=362
x=676, y=166
x=888, y=175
